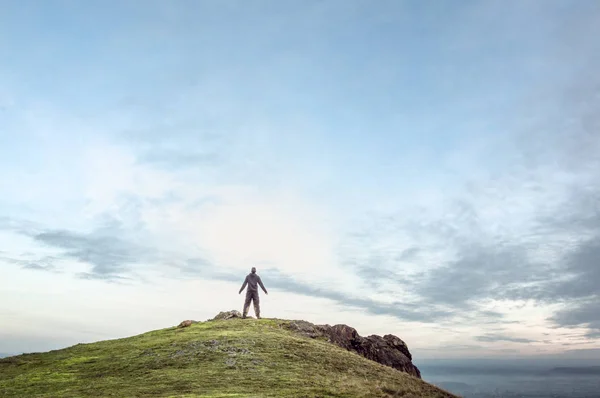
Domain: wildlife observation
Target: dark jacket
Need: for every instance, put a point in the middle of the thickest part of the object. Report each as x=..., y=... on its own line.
x=253, y=281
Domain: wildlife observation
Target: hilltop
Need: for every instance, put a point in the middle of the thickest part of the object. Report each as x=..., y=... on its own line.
x=223, y=357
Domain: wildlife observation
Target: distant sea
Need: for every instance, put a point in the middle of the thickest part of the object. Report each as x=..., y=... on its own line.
x=515, y=381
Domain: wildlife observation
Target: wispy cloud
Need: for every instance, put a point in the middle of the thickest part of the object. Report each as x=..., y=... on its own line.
x=490, y=338
x=105, y=249
x=45, y=263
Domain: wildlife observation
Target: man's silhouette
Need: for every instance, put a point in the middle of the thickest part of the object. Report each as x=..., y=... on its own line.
x=252, y=280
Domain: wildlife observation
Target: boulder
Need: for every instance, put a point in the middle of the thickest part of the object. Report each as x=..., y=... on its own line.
x=186, y=323
x=224, y=315
x=309, y=329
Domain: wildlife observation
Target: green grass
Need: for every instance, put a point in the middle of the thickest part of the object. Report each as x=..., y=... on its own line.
x=234, y=358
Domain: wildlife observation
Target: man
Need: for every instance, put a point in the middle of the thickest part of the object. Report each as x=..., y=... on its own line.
x=252, y=280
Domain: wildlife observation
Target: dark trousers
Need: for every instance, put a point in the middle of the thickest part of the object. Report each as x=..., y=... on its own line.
x=252, y=296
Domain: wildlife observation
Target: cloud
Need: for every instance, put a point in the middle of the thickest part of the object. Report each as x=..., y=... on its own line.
x=44, y=263
x=527, y=231
x=402, y=311
x=457, y=347
x=480, y=272
x=17, y=225
x=575, y=282
x=594, y=334
x=491, y=338
x=549, y=260
x=584, y=313
x=105, y=249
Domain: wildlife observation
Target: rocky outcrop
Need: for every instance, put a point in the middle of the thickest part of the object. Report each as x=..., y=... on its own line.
x=224, y=315
x=388, y=350
x=185, y=324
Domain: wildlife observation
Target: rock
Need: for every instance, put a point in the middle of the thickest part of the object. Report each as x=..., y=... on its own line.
x=345, y=337
x=388, y=350
x=224, y=315
x=308, y=329
x=185, y=324
x=398, y=344
x=381, y=350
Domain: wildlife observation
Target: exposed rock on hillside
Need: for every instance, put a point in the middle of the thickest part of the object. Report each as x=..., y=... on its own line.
x=224, y=315
x=185, y=324
x=388, y=350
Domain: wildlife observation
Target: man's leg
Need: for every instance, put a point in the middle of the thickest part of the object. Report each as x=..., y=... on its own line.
x=247, y=304
x=256, y=301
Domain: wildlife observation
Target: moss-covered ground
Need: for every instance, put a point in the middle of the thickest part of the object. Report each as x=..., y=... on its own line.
x=233, y=358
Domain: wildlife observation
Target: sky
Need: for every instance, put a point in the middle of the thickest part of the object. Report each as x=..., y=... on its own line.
x=424, y=169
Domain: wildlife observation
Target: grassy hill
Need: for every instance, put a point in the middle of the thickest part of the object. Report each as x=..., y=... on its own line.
x=233, y=358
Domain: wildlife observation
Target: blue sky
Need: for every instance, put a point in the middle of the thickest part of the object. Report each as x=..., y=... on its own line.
x=422, y=169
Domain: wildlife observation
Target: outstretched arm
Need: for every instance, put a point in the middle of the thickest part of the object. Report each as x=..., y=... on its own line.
x=243, y=285
x=262, y=286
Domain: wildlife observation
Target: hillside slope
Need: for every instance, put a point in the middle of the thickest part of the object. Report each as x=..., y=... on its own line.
x=219, y=358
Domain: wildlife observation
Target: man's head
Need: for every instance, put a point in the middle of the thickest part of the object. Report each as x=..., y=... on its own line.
x=253, y=270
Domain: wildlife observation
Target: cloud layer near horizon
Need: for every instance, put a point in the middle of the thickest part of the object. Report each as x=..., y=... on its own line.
x=380, y=167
